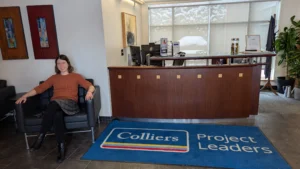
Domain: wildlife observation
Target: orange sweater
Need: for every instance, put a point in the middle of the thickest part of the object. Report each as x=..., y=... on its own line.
x=65, y=86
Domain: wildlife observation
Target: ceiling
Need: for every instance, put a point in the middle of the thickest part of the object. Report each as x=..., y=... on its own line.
x=183, y=1
x=176, y=0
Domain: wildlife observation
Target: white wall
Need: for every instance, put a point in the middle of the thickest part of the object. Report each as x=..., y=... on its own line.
x=145, y=20
x=145, y=24
x=80, y=36
x=113, y=28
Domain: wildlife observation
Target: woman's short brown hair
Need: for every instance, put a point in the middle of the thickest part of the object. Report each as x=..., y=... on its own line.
x=63, y=57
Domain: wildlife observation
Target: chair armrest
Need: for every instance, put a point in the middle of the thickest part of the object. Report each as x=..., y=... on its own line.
x=7, y=92
x=23, y=108
x=20, y=117
x=93, y=107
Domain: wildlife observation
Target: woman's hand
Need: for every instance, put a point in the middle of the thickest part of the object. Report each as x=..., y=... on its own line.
x=24, y=97
x=89, y=96
x=21, y=100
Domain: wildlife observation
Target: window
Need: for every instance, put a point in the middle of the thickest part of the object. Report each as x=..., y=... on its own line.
x=209, y=28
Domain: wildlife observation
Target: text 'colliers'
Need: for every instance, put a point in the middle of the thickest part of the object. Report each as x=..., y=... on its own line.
x=146, y=136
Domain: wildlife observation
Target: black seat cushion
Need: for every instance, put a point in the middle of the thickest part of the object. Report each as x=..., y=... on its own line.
x=36, y=120
x=33, y=121
x=79, y=117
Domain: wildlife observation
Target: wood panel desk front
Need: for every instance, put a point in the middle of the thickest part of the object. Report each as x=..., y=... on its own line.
x=185, y=92
x=189, y=92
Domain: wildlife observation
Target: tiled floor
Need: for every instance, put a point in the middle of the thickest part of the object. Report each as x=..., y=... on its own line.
x=278, y=118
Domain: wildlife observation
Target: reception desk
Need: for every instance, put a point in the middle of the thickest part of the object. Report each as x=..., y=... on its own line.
x=190, y=92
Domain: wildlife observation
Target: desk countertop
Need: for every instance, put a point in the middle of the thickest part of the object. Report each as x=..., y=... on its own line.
x=217, y=56
x=184, y=67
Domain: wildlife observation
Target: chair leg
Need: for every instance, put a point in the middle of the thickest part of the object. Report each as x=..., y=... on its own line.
x=26, y=141
x=93, y=135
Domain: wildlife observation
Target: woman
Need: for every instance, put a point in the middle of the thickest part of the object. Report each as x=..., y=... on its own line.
x=64, y=100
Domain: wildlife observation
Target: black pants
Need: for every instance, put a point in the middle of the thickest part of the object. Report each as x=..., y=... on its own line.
x=54, y=117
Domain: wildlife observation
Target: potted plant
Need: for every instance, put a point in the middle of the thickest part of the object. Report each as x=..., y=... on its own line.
x=296, y=24
x=297, y=91
x=294, y=63
x=286, y=45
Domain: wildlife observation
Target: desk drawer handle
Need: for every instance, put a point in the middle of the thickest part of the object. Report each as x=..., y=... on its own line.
x=178, y=76
x=157, y=76
x=138, y=77
x=220, y=75
x=119, y=76
x=199, y=76
x=241, y=74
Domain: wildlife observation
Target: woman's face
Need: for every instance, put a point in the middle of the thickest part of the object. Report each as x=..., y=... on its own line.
x=62, y=65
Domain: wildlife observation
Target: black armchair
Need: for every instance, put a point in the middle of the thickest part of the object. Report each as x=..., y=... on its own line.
x=6, y=92
x=29, y=114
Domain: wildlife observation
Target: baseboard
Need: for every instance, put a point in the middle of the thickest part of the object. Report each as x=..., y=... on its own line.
x=106, y=119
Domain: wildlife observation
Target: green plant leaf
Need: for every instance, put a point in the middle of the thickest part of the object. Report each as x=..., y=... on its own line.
x=296, y=24
x=286, y=48
x=292, y=20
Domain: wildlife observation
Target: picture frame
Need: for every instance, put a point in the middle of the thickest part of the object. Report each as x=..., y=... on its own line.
x=43, y=31
x=129, y=29
x=12, y=38
x=253, y=43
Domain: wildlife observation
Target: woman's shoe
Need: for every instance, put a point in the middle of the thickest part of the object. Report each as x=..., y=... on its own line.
x=61, y=152
x=38, y=142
